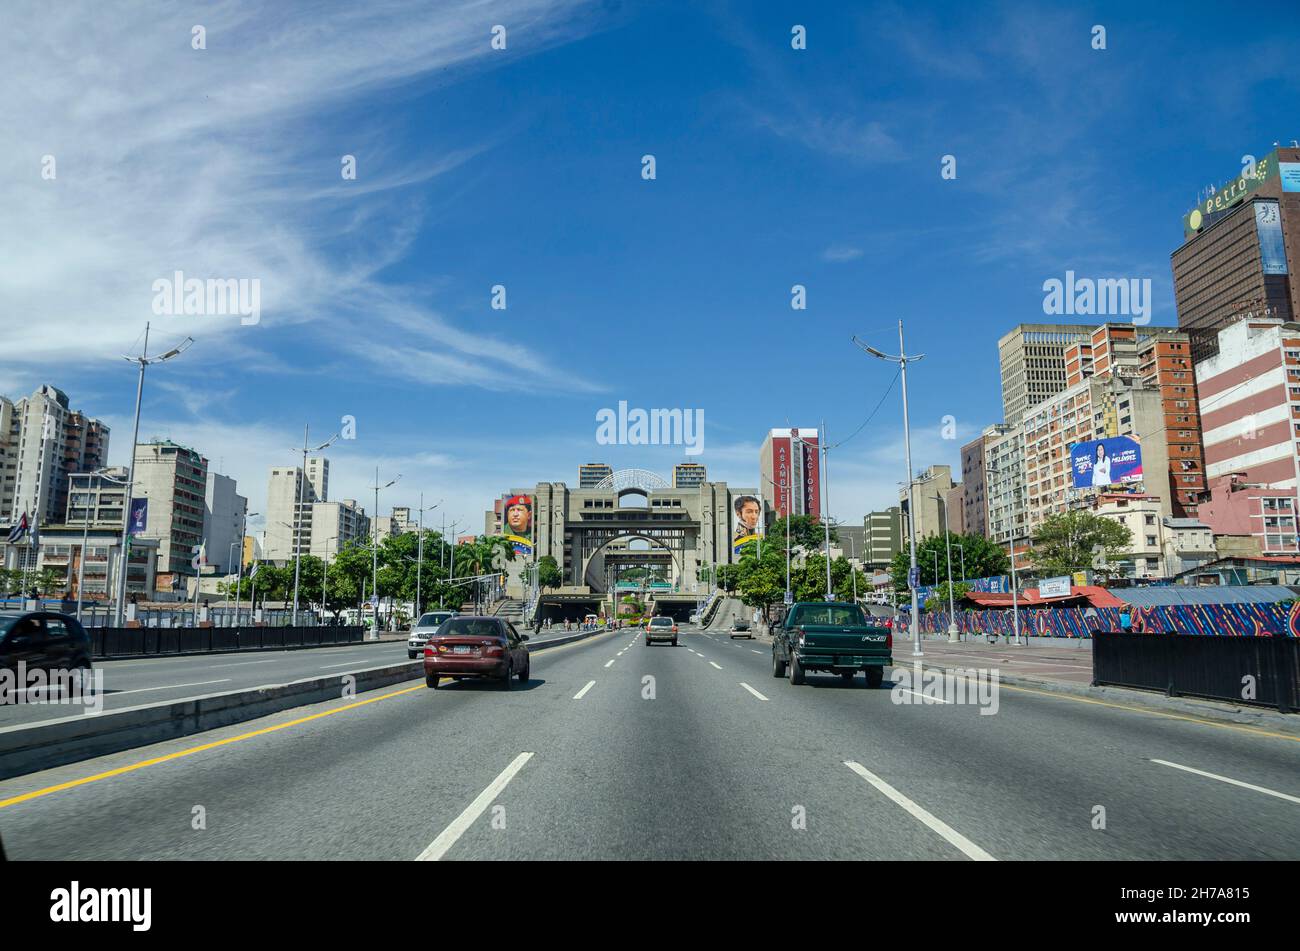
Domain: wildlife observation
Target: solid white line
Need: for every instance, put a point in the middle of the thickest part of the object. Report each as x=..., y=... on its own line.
x=715, y=665
x=923, y=696
x=752, y=651
x=246, y=663
x=611, y=662
x=967, y=847
x=583, y=692
x=1233, y=782
x=752, y=690
x=201, y=683
x=449, y=836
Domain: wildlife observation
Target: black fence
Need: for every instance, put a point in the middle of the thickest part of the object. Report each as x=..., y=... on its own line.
x=1262, y=671
x=150, y=641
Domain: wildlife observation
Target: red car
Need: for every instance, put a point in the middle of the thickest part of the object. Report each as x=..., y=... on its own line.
x=469, y=646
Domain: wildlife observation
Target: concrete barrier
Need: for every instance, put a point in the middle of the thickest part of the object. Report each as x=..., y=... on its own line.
x=31, y=747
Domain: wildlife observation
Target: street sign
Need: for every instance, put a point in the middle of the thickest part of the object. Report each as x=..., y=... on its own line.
x=913, y=577
x=789, y=597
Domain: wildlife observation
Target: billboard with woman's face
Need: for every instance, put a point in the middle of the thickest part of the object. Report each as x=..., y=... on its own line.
x=1102, y=462
x=747, y=521
x=517, y=522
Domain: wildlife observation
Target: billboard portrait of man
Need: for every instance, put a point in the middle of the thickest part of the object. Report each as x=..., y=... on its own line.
x=519, y=522
x=749, y=516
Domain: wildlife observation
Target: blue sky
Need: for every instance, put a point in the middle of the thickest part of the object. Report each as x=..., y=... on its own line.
x=522, y=167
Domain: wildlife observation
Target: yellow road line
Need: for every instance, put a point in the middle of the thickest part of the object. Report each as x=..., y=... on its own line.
x=72, y=784
x=36, y=794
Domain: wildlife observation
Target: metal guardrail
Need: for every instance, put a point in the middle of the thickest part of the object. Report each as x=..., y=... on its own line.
x=109, y=642
x=1260, y=671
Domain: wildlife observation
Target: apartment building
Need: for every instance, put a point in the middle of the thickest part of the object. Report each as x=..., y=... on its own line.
x=882, y=536
x=224, y=517
x=1031, y=358
x=42, y=442
x=174, y=480
x=929, y=494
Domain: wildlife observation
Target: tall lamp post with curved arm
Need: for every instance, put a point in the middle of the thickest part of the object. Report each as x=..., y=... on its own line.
x=142, y=361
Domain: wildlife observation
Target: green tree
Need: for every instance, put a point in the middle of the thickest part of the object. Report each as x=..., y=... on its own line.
x=548, y=572
x=984, y=558
x=939, y=600
x=806, y=532
x=1069, y=541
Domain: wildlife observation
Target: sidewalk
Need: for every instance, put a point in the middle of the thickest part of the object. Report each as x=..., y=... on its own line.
x=1049, y=659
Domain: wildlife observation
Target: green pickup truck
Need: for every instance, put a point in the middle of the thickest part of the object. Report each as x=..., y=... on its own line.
x=830, y=636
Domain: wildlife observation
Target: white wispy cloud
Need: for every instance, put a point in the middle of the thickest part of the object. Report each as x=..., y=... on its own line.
x=224, y=162
x=839, y=253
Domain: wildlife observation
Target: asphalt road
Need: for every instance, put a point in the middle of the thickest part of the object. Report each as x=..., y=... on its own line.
x=616, y=750
x=130, y=683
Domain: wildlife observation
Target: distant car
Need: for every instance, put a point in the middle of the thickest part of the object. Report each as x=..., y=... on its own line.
x=740, y=628
x=661, y=629
x=424, y=628
x=43, y=639
x=479, y=646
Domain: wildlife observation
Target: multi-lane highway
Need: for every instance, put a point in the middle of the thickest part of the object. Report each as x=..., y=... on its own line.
x=618, y=750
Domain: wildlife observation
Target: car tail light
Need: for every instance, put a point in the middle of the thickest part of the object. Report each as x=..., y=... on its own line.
x=494, y=648
x=428, y=651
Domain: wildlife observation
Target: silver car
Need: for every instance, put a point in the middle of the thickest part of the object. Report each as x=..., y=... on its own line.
x=425, y=628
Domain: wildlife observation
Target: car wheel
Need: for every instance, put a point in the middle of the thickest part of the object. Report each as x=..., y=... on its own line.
x=525, y=673
x=875, y=676
x=796, y=670
x=411, y=654
x=778, y=666
x=431, y=681
x=510, y=675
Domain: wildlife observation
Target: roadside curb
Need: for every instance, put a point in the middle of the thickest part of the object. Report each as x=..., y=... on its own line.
x=32, y=747
x=1260, y=718
x=28, y=748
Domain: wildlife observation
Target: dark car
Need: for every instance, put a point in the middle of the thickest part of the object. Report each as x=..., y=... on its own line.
x=476, y=646
x=831, y=637
x=43, y=639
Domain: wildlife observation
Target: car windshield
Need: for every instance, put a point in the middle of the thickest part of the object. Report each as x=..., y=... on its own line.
x=661, y=622
x=432, y=620
x=7, y=621
x=831, y=614
x=470, y=627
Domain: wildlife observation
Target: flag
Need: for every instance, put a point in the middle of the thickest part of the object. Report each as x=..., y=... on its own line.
x=18, y=530
x=253, y=574
x=34, y=534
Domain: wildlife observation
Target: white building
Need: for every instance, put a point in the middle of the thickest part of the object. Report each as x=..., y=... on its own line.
x=174, y=479
x=225, y=512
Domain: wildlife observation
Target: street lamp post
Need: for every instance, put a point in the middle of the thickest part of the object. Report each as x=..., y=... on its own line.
x=1011, y=554
x=902, y=360
x=239, y=565
x=141, y=361
x=85, y=535
x=419, y=559
x=953, y=635
x=297, y=516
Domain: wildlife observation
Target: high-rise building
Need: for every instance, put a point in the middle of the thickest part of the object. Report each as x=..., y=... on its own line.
x=688, y=475
x=174, y=479
x=398, y=523
x=1250, y=404
x=1165, y=363
x=318, y=475
x=332, y=526
x=590, y=474
x=1032, y=361
x=42, y=442
x=289, y=497
x=884, y=536
x=790, y=472
x=954, y=512
x=1240, y=253
x=225, y=512
x=1004, y=456
x=974, y=480
x=1096, y=408
x=97, y=498
x=929, y=493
